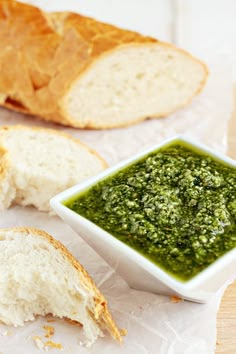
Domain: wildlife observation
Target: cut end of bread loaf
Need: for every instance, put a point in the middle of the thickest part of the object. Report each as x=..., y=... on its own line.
x=39, y=276
x=132, y=83
x=39, y=163
x=85, y=73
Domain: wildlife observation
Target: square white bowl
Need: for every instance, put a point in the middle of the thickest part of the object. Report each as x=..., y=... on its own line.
x=138, y=271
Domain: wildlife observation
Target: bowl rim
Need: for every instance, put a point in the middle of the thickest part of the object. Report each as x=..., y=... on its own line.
x=168, y=279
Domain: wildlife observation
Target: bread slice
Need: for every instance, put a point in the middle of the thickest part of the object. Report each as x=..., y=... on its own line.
x=76, y=71
x=39, y=276
x=37, y=163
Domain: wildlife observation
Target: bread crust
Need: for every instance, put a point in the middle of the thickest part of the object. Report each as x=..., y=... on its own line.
x=49, y=52
x=101, y=314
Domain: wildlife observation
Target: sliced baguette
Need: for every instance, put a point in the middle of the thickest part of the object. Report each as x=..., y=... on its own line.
x=37, y=163
x=76, y=71
x=39, y=276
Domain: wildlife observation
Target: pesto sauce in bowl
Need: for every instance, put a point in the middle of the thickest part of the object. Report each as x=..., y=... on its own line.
x=176, y=206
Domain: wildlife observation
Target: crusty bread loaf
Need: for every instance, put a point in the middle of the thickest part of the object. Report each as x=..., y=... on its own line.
x=39, y=276
x=77, y=71
x=37, y=163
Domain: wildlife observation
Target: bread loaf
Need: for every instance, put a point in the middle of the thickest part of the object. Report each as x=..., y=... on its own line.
x=37, y=163
x=39, y=276
x=76, y=71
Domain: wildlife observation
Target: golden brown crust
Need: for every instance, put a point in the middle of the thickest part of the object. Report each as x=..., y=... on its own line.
x=48, y=131
x=101, y=313
x=48, y=52
x=4, y=165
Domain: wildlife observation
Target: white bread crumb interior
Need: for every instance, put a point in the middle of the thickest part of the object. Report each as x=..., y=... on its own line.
x=36, y=164
x=133, y=83
x=88, y=74
x=39, y=278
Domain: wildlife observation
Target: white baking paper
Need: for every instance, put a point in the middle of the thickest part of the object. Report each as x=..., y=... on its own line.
x=155, y=324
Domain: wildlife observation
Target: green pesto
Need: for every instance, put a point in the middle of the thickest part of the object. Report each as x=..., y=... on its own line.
x=176, y=206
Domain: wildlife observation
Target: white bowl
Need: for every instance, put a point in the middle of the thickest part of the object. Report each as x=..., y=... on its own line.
x=138, y=271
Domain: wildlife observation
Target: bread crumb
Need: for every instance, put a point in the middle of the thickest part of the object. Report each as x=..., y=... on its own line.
x=6, y=333
x=175, y=299
x=82, y=344
x=49, y=331
x=50, y=320
x=73, y=322
x=123, y=332
x=51, y=344
x=38, y=341
x=47, y=345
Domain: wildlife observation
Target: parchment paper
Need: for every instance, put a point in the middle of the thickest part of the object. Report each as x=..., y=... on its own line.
x=155, y=324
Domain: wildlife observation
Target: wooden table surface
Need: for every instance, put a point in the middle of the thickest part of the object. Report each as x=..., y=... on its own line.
x=226, y=324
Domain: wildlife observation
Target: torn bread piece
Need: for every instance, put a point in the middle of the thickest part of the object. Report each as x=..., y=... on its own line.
x=38, y=163
x=39, y=276
x=74, y=70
